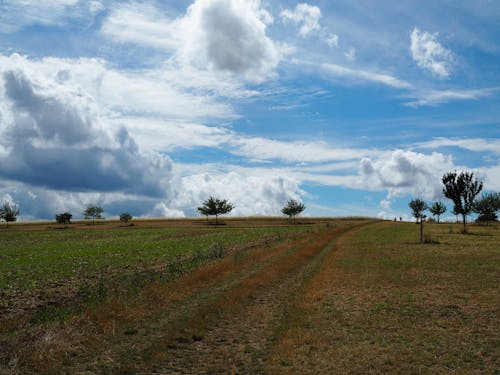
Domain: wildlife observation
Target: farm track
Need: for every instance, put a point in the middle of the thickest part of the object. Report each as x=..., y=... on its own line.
x=225, y=324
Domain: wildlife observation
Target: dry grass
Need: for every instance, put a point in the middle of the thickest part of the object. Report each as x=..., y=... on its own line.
x=347, y=298
x=384, y=303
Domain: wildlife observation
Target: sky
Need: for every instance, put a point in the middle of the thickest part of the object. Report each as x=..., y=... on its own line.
x=149, y=107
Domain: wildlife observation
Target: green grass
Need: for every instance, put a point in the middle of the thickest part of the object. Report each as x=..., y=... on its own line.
x=29, y=260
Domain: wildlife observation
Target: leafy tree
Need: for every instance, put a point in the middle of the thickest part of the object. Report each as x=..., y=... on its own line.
x=93, y=212
x=125, y=217
x=487, y=207
x=64, y=218
x=215, y=206
x=437, y=209
x=293, y=208
x=418, y=207
x=462, y=189
x=8, y=213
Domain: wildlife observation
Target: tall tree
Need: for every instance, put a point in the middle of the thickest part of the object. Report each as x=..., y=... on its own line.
x=462, y=188
x=293, y=208
x=437, y=209
x=215, y=206
x=418, y=207
x=93, y=212
x=8, y=212
x=487, y=207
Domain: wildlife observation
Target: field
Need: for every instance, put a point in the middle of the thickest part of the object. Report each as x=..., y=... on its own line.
x=252, y=296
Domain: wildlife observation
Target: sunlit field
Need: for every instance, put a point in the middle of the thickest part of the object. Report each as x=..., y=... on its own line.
x=254, y=296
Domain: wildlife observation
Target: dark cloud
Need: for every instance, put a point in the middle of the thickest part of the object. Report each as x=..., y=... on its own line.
x=55, y=140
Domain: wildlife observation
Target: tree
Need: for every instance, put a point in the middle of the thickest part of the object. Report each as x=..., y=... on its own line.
x=293, y=208
x=125, y=217
x=487, y=207
x=215, y=206
x=462, y=189
x=418, y=207
x=8, y=213
x=437, y=209
x=93, y=212
x=64, y=218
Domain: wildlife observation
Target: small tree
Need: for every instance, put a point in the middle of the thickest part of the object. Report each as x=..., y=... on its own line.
x=462, y=189
x=8, y=213
x=437, y=209
x=418, y=207
x=293, y=208
x=93, y=212
x=215, y=206
x=487, y=207
x=64, y=218
x=125, y=217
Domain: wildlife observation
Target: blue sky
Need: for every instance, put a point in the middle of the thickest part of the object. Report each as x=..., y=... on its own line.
x=152, y=106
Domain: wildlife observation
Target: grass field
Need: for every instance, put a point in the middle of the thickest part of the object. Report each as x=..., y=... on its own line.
x=341, y=296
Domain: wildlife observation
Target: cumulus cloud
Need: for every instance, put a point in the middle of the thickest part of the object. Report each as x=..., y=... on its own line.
x=429, y=54
x=251, y=194
x=406, y=172
x=221, y=35
x=304, y=15
x=54, y=137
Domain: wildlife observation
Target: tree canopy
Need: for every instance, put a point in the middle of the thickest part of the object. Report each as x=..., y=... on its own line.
x=215, y=207
x=125, y=217
x=487, y=207
x=418, y=207
x=8, y=212
x=64, y=218
x=462, y=188
x=93, y=212
x=437, y=209
x=293, y=208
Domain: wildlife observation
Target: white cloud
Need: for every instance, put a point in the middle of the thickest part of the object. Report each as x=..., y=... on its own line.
x=96, y=6
x=338, y=71
x=436, y=97
x=252, y=194
x=472, y=144
x=221, y=35
x=430, y=54
x=16, y=14
x=65, y=141
x=295, y=151
x=306, y=16
x=406, y=172
x=332, y=40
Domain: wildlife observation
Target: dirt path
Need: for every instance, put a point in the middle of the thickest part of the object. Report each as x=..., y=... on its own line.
x=227, y=317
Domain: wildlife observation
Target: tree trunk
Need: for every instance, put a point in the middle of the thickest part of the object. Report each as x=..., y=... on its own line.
x=421, y=231
x=465, y=223
x=438, y=219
